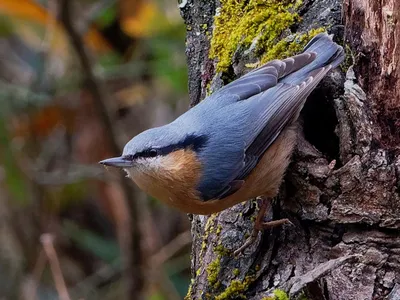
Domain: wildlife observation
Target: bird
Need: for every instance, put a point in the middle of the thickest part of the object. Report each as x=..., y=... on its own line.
x=236, y=144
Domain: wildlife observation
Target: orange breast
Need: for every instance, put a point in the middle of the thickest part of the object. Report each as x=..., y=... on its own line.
x=174, y=181
x=175, y=184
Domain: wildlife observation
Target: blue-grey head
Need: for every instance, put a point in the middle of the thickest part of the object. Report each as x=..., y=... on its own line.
x=147, y=151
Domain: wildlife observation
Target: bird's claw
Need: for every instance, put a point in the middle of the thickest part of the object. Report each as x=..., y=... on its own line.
x=257, y=228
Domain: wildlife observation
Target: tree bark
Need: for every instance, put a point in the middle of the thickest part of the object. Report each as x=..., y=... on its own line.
x=341, y=190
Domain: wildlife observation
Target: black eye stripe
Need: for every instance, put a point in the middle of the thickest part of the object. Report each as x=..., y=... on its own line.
x=190, y=142
x=145, y=153
x=129, y=157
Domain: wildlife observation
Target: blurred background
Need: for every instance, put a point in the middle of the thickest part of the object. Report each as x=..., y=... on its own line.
x=78, y=79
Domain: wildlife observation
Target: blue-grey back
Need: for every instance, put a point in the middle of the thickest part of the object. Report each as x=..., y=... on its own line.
x=245, y=117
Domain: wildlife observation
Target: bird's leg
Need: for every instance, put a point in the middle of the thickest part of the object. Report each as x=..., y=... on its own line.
x=261, y=225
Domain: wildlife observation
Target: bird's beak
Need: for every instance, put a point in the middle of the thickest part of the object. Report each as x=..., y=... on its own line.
x=119, y=162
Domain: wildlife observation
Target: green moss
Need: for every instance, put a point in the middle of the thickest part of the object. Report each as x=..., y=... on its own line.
x=213, y=271
x=239, y=23
x=277, y=295
x=207, y=229
x=189, y=293
x=288, y=47
x=208, y=89
x=348, y=59
x=217, y=285
x=203, y=246
x=221, y=250
x=209, y=224
x=236, y=289
x=280, y=295
x=219, y=229
x=236, y=272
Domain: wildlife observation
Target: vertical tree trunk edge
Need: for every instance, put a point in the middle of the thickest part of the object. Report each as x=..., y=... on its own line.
x=341, y=190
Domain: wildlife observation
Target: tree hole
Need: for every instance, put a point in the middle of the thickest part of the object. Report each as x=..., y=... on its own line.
x=320, y=121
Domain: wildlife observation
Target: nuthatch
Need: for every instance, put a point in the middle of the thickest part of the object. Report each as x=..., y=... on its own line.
x=235, y=144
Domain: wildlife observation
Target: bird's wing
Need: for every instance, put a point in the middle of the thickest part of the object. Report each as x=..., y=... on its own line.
x=261, y=79
x=273, y=109
x=288, y=100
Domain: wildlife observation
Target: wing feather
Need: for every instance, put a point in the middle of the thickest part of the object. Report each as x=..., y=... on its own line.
x=262, y=78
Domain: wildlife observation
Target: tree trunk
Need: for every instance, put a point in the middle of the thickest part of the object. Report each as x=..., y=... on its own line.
x=341, y=190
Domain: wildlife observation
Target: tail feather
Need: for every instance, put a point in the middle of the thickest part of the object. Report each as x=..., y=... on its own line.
x=327, y=53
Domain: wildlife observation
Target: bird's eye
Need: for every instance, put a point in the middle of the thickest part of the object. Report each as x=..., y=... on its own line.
x=153, y=152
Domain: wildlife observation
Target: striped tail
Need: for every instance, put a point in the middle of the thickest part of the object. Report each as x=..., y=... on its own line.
x=327, y=53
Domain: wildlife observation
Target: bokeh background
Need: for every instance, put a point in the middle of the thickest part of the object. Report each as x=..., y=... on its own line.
x=78, y=79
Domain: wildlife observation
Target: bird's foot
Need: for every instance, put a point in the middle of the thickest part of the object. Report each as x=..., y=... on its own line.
x=260, y=225
x=257, y=228
x=272, y=224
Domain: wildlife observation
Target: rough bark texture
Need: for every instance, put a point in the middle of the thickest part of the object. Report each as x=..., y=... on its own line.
x=342, y=188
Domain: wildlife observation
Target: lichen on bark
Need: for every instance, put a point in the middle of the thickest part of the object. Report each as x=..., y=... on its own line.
x=258, y=24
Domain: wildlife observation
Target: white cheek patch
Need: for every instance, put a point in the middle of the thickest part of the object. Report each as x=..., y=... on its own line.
x=150, y=164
